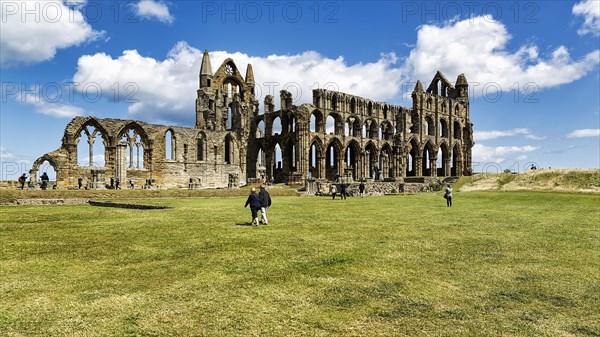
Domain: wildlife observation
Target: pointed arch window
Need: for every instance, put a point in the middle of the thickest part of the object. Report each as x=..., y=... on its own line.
x=135, y=148
x=169, y=145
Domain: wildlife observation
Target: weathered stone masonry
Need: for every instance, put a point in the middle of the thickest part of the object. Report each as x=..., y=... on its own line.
x=234, y=143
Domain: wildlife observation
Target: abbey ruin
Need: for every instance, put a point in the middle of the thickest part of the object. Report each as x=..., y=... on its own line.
x=235, y=143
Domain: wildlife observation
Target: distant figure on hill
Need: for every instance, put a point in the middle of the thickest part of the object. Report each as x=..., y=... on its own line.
x=22, y=180
x=131, y=183
x=448, y=196
x=79, y=182
x=333, y=191
x=265, y=202
x=45, y=181
x=112, y=183
x=361, y=189
x=254, y=202
x=117, y=183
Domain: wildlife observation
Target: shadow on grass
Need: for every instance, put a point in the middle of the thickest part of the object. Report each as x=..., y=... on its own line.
x=249, y=224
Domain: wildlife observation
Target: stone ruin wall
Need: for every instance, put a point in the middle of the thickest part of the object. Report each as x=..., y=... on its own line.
x=370, y=140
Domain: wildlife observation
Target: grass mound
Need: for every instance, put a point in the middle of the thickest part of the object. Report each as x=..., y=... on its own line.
x=541, y=180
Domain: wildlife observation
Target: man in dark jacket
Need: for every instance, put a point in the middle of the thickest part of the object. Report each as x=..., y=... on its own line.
x=22, y=180
x=265, y=201
x=254, y=203
x=45, y=181
x=343, y=191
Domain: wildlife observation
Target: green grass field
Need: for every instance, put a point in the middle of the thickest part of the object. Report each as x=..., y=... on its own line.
x=496, y=264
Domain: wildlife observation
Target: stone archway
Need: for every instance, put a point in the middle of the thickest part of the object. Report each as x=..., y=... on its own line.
x=333, y=159
x=316, y=159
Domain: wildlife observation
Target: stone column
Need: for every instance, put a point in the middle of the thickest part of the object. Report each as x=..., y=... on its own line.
x=433, y=167
x=91, y=144
x=322, y=166
x=270, y=162
x=121, y=162
x=418, y=162
x=447, y=167
x=131, y=144
x=303, y=148
x=137, y=154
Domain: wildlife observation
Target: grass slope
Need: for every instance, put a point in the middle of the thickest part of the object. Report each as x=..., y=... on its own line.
x=587, y=181
x=498, y=263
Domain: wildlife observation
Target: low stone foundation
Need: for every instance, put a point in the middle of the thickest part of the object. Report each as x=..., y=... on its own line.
x=68, y=201
x=375, y=188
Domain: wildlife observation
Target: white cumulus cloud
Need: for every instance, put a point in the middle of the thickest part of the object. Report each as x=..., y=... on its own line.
x=12, y=163
x=167, y=88
x=32, y=31
x=499, y=154
x=590, y=11
x=477, y=47
x=158, y=10
x=49, y=107
x=487, y=135
x=584, y=133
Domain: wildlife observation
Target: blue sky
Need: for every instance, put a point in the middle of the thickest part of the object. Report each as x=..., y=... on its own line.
x=533, y=66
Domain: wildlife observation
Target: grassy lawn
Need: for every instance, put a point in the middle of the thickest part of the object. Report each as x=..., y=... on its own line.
x=497, y=263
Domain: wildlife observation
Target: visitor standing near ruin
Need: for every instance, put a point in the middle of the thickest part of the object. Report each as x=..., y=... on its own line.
x=333, y=191
x=117, y=183
x=343, y=191
x=254, y=202
x=448, y=196
x=361, y=189
x=22, y=180
x=79, y=182
x=45, y=181
x=265, y=202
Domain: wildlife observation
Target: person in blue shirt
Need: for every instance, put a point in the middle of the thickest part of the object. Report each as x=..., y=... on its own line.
x=254, y=202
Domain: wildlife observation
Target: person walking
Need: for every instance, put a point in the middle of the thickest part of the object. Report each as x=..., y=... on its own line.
x=265, y=202
x=448, y=196
x=361, y=189
x=45, y=181
x=131, y=183
x=254, y=202
x=343, y=191
x=333, y=190
x=22, y=180
x=117, y=183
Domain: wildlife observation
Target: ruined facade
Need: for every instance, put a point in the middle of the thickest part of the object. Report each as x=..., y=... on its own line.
x=234, y=142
